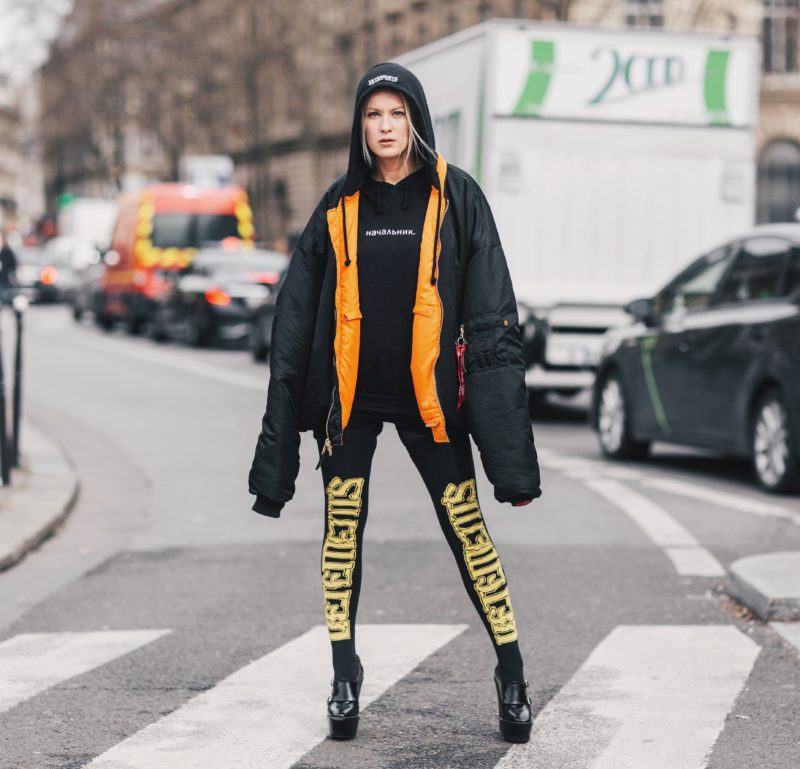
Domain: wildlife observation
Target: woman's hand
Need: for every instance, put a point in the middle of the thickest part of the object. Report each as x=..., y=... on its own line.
x=524, y=502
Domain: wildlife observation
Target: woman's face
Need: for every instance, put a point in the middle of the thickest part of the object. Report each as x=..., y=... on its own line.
x=386, y=125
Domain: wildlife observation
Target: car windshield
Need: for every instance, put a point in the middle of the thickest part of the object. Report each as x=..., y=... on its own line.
x=191, y=230
x=757, y=272
x=793, y=275
x=695, y=289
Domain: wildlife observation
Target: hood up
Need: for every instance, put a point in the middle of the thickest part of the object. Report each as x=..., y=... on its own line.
x=397, y=78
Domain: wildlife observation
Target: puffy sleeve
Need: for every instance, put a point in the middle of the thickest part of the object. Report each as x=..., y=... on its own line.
x=277, y=454
x=496, y=397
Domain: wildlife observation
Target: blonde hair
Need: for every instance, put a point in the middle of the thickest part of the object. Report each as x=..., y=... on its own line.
x=416, y=147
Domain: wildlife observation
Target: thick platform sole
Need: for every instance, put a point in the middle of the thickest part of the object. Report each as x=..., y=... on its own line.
x=514, y=731
x=342, y=728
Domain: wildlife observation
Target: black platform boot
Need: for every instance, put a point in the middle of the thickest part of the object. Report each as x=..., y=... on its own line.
x=343, y=706
x=514, y=705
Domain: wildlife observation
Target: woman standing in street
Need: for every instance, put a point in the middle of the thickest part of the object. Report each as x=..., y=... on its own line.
x=398, y=307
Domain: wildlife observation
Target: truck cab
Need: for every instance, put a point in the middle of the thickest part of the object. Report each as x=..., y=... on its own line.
x=158, y=230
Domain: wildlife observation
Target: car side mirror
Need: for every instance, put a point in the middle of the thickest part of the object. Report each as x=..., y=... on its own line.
x=641, y=310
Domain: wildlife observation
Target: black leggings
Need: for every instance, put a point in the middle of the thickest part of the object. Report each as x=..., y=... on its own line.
x=448, y=472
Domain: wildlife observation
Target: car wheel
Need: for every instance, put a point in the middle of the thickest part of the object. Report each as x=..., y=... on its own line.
x=101, y=317
x=134, y=325
x=774, y=456
x=258, y=345
x=157, y=330
x=614, y=424
x=197, y=333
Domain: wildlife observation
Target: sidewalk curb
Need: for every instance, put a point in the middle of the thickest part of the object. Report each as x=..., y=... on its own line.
x=43, y=491
x=769, y=585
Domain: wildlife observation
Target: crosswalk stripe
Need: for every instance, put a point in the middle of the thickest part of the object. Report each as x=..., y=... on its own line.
x=33, y=662
x=740, y=502
x=662, y=528
x=649, y=697
x=272, y=711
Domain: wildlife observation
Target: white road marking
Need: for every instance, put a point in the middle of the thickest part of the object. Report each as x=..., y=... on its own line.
x=694, y=561
x=585, y=473
x=739, y=502
x=272, y=711
x=661, y=527
x=33, y=662
x=582, y=467
x=646, y=698
x=176, y=362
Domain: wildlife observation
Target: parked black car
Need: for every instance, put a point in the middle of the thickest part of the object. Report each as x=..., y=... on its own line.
x=713, y=360
x=213, y=299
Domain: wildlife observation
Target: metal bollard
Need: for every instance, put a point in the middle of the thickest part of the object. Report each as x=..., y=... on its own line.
x=5, y=469
x=20, y=305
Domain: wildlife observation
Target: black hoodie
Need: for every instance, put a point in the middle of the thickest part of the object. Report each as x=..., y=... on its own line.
x=398, y=78
x=390, y=219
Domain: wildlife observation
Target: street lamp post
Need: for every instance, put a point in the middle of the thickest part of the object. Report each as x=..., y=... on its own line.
x=5, y=469
x=20, y=305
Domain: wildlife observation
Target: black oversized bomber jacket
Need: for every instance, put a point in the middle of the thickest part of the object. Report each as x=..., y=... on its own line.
x=463, y=283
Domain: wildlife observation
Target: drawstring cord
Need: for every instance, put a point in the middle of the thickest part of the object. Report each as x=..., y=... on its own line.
x=379, y=208
x=344, y=227
x=436, y=237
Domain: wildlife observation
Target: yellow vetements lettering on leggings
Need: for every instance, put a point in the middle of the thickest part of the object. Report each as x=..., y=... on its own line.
x=481, y=558
x=339, y=553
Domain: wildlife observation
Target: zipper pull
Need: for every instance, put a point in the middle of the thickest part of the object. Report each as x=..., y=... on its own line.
x=461, y=346
x=327, y=446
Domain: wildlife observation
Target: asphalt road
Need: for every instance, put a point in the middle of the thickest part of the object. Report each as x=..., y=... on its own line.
x=167, y=625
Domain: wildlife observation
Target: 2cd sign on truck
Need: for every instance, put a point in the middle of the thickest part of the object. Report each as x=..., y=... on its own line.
x=607, y=156
x=158, y=231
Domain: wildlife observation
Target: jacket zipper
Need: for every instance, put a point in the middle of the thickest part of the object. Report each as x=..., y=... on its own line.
x=441, y=315
x=328, y=446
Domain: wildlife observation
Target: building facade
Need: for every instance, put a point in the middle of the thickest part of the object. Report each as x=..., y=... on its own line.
x=131, y=87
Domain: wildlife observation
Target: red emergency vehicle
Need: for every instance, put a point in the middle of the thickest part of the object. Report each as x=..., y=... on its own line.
x=158, y=230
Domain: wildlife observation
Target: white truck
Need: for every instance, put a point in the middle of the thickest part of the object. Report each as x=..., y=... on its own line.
x=90, y=220
x=610, y=157
x=84, y=235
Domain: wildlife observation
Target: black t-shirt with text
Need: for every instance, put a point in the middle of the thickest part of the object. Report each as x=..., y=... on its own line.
x=390, y=221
